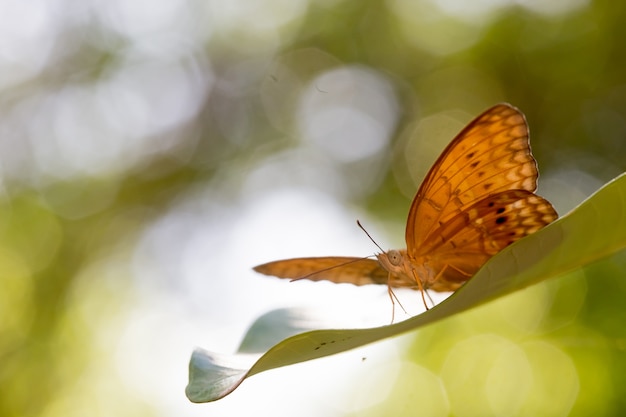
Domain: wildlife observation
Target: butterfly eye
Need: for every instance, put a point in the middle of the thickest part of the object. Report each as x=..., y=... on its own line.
x=394, y=257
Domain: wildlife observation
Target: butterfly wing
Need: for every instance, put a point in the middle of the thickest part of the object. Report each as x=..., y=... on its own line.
x=470, y=238
x=490, y=155
x=338, y=269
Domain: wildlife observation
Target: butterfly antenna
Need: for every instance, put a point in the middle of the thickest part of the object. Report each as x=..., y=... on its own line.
x=329, y=268
x=392, y=295
x=368, y=235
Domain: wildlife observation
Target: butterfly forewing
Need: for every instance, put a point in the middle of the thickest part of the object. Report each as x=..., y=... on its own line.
x=491, y=154
x=338, y=269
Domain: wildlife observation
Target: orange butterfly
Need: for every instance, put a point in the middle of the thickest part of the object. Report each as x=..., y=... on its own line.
x=475, y=200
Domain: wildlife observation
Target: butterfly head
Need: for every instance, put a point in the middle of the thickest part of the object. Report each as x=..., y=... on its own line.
x=393, y=257
x=394, y=261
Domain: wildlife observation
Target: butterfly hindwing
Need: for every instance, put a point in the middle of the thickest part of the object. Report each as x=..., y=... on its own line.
x=469, y=239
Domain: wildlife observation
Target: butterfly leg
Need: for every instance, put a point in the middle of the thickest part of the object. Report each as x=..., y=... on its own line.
x=394, y=298
x=420, y=286
x=440, y=273
x=432, y=302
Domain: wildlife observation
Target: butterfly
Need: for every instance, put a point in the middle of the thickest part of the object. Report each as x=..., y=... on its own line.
x=476, y=199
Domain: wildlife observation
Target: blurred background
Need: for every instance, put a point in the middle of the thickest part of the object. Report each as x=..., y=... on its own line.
x=152, y=152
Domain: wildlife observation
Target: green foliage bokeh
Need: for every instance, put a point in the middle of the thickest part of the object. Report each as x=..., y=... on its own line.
x=67, y=235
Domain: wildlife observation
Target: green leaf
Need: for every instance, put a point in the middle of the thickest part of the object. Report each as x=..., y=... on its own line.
x=594, y=230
